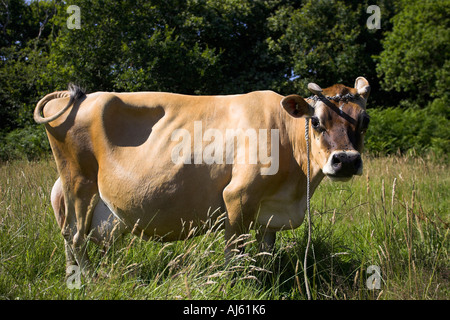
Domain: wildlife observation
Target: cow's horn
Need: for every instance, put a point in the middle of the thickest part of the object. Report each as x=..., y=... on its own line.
x=314, y=88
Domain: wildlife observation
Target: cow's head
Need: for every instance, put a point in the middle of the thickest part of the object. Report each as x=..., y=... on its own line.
x=338, y=122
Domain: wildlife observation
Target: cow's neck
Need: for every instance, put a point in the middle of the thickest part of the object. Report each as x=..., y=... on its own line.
x=294, y=136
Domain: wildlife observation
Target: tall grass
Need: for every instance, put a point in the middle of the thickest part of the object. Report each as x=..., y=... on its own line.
x=394, y=217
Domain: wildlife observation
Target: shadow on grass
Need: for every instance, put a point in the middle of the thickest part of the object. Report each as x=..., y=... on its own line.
x=333, y=270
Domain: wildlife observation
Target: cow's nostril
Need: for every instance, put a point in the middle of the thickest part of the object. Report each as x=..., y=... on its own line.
x=346, y=163
x=336, y=162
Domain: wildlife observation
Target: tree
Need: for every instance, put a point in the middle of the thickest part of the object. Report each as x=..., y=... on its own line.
x=194, y=46
x=327, y=42
x=318, y=43
x=415, y=59
x=25, y=30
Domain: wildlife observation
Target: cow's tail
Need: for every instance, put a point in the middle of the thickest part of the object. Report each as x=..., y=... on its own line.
x=74, y=92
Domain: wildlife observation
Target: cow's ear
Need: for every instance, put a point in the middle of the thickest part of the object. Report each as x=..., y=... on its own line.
x=363, y=87
x=296, y=106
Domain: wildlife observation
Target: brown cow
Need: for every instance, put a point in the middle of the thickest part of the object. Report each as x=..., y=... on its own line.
x=153, y=163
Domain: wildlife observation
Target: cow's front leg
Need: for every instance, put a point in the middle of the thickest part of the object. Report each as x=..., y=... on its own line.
x=266, y=239
x=266, y=243
x=241, y=212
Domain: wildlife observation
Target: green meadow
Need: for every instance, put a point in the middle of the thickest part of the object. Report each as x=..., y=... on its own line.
x=395, y=218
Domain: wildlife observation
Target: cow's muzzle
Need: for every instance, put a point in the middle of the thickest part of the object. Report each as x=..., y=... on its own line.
x=342, y=165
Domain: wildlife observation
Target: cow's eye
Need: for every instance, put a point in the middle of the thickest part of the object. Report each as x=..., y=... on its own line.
x=316, y=124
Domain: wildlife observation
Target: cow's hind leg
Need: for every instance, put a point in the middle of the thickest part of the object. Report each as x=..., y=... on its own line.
x=80, y=203
x=104, y=229
x=84, y=209
x=58, y=204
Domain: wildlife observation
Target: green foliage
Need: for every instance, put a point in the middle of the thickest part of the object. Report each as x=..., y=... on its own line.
x=130, y=46
x=412, y=129
x=30, y=143
x=406, y=130
x=319, y=42
x=19, y=83
x=416, y=51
